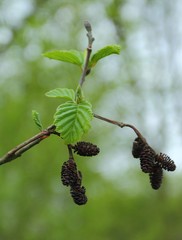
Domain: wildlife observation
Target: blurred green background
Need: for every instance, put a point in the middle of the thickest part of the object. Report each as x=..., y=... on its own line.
x=142, y=86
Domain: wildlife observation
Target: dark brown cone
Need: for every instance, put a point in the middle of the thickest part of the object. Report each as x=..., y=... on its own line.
x=78, y=195
x=69, y=174
x=147, y=159
x=165, y=162
x=137, y=148
x=156, y=176
x=86, y=149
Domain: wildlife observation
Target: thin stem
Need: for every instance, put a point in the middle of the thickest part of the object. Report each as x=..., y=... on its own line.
x=89, y=51
x=121, y=125
x=84, y=73
x=25, y=146
x=70, y=151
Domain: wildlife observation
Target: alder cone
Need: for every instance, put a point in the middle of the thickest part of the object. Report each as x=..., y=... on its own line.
x=78, y=195
x=165, y=162
x=147, y=159
x=86, y=149
x=156, y=177
x=137, y=148
x=69, y=174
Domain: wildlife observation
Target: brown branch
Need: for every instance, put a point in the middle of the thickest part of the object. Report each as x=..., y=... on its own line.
x=89, y=51
x=70, y=151
x=25, y=146
x=121, y=125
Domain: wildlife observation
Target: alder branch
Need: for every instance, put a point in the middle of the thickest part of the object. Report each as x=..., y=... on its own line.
x=121, y=125
x=25, y=146
x=89, y=51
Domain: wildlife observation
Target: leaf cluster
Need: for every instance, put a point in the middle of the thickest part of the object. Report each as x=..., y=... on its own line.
x=78, y=57
x=73, y=117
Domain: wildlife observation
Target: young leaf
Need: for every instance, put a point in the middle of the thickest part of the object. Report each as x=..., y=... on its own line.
x=70, y=56
x=72, y=120
x=66, y=93
x=104, y=52
x=37, y=121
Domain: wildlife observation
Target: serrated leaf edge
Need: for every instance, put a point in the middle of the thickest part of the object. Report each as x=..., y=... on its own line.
x=76, y=122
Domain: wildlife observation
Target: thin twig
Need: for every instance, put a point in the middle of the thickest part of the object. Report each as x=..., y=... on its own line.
x=25, y=146
x=121, y=125
x=89, y=51
x=70, y=151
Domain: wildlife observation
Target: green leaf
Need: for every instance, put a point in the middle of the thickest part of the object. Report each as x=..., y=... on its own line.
x=66, y=93
x=72, y=120
x=36, y=119
x=104, y=52
x=70, y=56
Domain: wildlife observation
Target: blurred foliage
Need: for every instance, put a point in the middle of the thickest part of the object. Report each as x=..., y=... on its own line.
x=132, y=88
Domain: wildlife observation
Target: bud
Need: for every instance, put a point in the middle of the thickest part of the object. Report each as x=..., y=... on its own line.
x=87, y=26
x=86, y=149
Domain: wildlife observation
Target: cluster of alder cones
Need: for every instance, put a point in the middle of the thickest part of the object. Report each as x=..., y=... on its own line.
x=72, y=177
x=151, y=162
